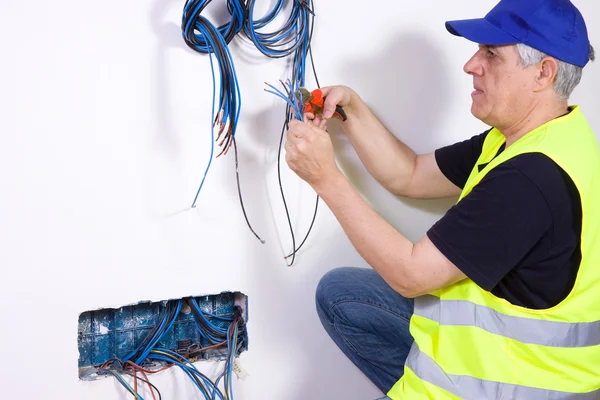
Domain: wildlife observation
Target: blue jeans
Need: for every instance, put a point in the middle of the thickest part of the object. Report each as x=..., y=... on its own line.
x=368, y=321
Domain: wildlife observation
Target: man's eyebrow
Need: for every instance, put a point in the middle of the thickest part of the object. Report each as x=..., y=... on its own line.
x=496, y=48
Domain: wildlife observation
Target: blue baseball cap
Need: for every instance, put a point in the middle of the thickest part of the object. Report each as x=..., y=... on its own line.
x=554, y=27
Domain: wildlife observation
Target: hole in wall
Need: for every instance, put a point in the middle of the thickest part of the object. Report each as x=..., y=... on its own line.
x=110, y=333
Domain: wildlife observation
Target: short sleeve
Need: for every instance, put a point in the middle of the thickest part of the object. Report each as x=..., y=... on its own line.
x=456, y=161
x=494, y=227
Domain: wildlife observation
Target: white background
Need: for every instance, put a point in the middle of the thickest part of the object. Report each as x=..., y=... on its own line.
x=105, y=117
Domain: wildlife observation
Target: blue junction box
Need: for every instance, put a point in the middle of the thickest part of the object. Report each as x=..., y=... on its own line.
x=114, y=333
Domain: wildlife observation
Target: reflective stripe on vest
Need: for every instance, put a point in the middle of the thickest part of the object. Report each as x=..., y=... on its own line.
x=525, y=330
x=467, y=387
x=470, y=344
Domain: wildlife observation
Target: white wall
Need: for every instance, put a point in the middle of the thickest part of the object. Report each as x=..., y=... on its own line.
x=104, y=115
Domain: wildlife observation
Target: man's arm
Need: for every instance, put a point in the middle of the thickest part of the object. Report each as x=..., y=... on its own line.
x=411, y=270
x=388, y=160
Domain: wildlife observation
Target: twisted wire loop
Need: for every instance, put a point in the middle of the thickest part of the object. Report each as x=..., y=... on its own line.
x=291, y=38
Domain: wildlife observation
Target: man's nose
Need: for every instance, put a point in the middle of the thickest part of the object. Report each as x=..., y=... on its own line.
x=473, y=66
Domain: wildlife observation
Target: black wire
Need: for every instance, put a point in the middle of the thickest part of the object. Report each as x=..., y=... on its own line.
x=232, y=27
x=309, y=229
x=264, y=41
x=192, y=375
x=285, y=125
x=202, y=323
x=209, y=41
x=166, y=316
x=287, y=213
x=143, y=380
x=130, y=390
x=195, y=373
x=206, y=386
x=237, y=178
x=312, y=61
x=289, y=38
x=200, y=383
x=230, y=354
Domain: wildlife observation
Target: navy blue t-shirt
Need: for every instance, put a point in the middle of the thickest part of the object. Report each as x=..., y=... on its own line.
x=517, y=234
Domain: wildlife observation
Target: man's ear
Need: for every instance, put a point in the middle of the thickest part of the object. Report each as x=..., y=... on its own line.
x=547, y=71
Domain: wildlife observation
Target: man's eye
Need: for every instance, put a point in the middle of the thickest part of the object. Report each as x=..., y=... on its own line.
x=491, y=54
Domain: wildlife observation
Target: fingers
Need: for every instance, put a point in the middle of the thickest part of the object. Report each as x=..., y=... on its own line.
x=321, y=123
x=291, y=138
x=326, y=90
x=299, y=129
x=334, y=96
x=316, y=120
x=293, y=145
x=290, y=147
x=289, y=154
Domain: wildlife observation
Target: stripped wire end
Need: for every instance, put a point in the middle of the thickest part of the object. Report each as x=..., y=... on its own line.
x=221, y=130
x=290, y=97
x=219, y=118
x=219, y=122
x=226, y=141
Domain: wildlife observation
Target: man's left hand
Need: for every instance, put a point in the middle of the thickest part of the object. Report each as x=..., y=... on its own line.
x=309, y=153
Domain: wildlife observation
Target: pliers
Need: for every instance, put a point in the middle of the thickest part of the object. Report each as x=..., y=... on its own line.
x=313, y=102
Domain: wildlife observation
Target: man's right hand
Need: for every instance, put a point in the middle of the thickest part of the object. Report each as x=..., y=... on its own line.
x=393, y=164
x=334, y=96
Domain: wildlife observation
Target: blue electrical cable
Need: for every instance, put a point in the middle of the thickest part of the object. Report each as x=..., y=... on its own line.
x=202, y=36
x=290, y=97
x=201, y=313
x=293, y=38
x=282, y=42
x=157, y=337
x=232, y=347
x=126, y=385
x=152, y=335
x=229, y=335
x=191, y=372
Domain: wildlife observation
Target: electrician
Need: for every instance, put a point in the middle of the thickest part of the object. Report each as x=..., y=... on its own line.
x=500, y=299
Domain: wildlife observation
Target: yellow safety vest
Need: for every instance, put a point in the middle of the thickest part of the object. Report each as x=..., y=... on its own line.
x=470, y=344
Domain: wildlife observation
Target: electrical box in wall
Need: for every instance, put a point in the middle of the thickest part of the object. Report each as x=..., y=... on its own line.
x=110, y=333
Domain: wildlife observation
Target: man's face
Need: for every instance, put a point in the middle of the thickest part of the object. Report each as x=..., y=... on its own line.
x=503, y=89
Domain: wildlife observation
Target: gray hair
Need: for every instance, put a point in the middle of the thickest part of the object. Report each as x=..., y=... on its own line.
x=568, y=75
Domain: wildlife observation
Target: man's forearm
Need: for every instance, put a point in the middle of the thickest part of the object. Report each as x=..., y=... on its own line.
x=384, y=248
x=386, y=158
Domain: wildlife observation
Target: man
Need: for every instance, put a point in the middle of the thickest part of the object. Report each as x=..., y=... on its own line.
x=500, y=300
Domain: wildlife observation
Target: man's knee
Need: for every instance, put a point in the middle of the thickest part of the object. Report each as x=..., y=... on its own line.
x=336, y=286
x=323, y=295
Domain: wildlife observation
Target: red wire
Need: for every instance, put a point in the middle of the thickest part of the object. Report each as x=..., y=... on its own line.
x=150, y=386
x=131, y=365
x=135, y=367
x=135, y=384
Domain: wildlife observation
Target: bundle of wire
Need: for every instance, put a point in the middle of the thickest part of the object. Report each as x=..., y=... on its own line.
x=291, y=38
x=150, y=358
x=202, y=36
